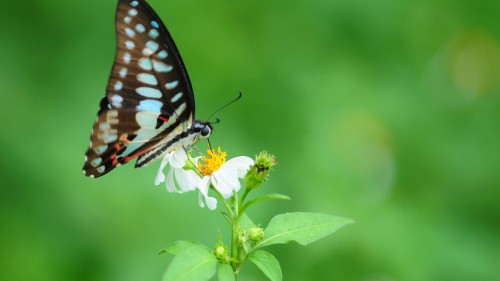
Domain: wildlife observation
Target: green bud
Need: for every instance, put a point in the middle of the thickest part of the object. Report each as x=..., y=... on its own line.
x=221, y=253
x=243, y=237
x=260, y=170
x=256, y=234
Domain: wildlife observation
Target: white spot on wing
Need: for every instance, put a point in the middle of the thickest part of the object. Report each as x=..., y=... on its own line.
x=140, y=28
x=147, y=78
x=163, y=54
x=161, y=67
x=150, y=105
x=104, y=126
x=149, y=92
x=127, y=19
x=176, y=97
x=129, y=44
x=96, y=162
x=101, y=169
x=127, y=57
x=108, y=137
x=129, y=32
x=101, y=149
x=147, y=120
x=123, y=72
x=145, y=64
x=171, y=85
x=180, y=110
x=153, y=33
x=118, y=86
x=155, y=24
x=134, y=3
x=151, y=47
x=116, y=100
x=132, y=12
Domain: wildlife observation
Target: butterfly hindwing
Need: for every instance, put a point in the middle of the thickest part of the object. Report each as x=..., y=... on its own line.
x=149, y=99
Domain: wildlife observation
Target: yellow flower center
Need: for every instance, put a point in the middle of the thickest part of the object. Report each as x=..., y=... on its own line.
x=213, y=162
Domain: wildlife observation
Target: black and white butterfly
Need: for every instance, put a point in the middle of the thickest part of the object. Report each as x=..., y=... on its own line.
x=148, y=109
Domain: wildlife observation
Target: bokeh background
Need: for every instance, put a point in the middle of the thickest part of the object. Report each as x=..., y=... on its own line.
x=386, y=112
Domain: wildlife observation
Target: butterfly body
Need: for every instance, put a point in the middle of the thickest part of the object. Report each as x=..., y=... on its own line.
x=149, y=107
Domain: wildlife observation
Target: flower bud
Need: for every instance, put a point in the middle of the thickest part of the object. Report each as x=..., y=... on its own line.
x=260, y=170
x=243, y=237
x=256, y=234
x=221, y=253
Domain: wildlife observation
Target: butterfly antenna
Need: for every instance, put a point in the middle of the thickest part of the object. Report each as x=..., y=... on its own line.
x=224, y=106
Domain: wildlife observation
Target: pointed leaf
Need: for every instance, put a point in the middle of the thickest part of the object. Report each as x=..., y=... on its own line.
x=267, y=263
x=178, y=246
x=303, y=228
x=195, y=263
x=272, y=196
x=226, y=273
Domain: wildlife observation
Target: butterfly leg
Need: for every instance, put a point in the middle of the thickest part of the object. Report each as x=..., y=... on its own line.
x=189, y=159
x=191, y=147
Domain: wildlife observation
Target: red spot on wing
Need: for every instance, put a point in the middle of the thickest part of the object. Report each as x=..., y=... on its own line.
x=124, y=139
x=163, y=118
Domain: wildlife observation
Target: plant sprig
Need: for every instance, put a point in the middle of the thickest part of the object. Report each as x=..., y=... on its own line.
x=195, y=261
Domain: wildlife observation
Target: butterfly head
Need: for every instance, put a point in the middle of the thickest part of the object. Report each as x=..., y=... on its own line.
x=204, y=129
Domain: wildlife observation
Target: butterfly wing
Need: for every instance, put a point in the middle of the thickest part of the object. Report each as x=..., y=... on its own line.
x=149, y=99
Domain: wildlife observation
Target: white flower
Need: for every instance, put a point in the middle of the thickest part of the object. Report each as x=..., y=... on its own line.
x=223, y=175
x=187, y=180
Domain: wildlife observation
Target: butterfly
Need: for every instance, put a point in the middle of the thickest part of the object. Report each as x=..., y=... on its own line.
x=148, y=109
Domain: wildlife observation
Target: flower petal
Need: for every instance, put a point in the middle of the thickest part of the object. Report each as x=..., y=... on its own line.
x=181, y=179
x=193, y=179
x=178, y=158
x=225, y=180
x=241, y=163
x=211, y=202
x=187, y=180
x=169, y=182
x=160, y=177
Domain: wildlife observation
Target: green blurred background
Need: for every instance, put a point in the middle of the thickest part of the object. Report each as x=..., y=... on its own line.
x=387, y=112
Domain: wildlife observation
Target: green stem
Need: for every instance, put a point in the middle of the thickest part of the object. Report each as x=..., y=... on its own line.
x=226, y=204
x=233, y=210
x=234, y=240
x=245, y=193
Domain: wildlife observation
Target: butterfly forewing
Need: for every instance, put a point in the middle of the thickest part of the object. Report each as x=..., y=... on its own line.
x=149, y=98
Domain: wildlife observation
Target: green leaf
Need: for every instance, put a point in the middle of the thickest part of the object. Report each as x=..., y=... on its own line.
x=195, y=263
x=226, y=273
x=303, y=228
x=246, y=222
x=267, y=263
x=272, y=196
x=179, y=246
x=247, y=247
